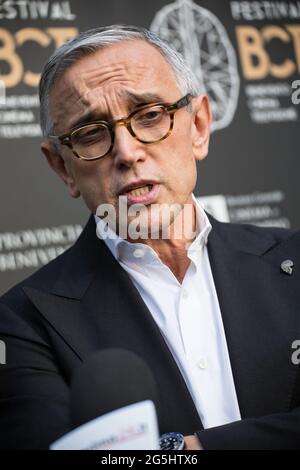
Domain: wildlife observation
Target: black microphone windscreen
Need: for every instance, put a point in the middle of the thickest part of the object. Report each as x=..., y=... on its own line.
x=109, y=380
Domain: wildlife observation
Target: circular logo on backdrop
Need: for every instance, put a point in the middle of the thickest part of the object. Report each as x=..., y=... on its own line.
x=203, y=41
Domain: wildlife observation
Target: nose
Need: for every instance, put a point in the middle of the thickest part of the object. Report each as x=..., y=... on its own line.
x=127, y=150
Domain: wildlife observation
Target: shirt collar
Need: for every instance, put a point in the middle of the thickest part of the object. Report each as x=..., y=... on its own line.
x=124, y=250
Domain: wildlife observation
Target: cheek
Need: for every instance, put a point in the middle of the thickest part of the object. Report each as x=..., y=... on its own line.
x=181, y=174
x=182, y=163
x=181, y=142
x=91, y=182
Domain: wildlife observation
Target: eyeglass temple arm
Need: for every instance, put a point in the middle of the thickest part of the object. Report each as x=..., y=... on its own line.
x=182, y=102
x=63, y=139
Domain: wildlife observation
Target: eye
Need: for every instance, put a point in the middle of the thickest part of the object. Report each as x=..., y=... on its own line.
x=89, y=135
x=150, y=116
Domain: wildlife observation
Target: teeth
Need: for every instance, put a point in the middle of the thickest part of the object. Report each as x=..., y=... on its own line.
x=140, y=191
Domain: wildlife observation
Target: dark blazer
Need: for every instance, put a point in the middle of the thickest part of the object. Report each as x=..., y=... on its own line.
x=84, y=301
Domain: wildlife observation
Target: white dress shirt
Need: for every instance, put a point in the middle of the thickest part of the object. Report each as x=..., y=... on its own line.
x=188, y=316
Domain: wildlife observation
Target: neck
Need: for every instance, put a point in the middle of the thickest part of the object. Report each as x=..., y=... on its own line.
x=173, y=250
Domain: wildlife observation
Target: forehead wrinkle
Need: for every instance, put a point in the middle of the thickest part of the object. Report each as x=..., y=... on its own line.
x=111, y=76
x=66, y=95
x=90, y=85
x=111, y=103
x=112, y=71
x=122, y=97
x=65, y=102
x=105, y=98
x=95, y=104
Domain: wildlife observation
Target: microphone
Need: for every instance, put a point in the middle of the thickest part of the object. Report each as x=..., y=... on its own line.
x=112, y=404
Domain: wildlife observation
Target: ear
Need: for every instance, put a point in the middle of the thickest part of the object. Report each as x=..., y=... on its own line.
x=202, y=118
x=61, y=167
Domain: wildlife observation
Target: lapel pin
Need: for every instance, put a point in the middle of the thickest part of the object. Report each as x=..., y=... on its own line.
x=287, y=266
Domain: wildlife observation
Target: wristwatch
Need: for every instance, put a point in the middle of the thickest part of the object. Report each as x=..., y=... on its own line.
x=171, y=441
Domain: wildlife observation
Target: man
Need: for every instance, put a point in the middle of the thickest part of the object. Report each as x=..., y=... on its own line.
x=213, y=312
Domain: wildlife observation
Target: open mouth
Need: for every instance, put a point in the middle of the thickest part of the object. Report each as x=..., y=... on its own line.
x=141, y=190
x=144, y=194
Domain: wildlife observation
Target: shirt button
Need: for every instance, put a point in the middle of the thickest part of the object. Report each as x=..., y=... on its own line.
x=185, y=294
x=138, y=253
x=202, y=364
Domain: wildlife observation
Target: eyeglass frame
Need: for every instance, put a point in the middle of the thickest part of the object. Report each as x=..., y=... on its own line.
x=65, y=139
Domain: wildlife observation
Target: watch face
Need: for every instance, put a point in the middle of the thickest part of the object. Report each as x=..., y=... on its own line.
x=171, y=441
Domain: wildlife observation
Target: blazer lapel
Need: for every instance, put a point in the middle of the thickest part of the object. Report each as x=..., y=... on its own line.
x=94, y=305
x=260, y=319
x=260, y=310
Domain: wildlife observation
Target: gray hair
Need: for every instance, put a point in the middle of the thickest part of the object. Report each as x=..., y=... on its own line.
x=89, y=42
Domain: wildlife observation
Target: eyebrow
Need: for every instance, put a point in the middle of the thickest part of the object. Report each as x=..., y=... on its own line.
x=132, y=99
